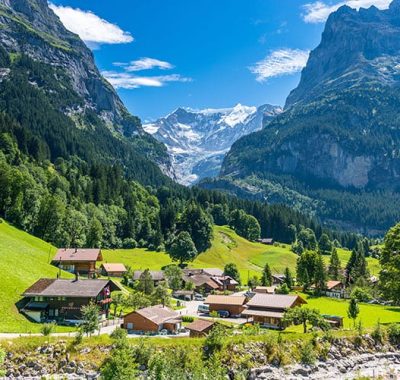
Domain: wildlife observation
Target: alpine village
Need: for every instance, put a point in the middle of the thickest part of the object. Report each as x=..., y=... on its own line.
x=236, y=243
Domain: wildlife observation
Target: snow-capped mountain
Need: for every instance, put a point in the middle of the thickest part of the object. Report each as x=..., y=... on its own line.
x=198, y=140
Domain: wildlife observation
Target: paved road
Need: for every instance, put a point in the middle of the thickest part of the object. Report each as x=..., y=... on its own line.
x=191, y=310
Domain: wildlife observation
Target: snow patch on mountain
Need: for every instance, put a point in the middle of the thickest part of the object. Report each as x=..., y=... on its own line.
x=197, y=140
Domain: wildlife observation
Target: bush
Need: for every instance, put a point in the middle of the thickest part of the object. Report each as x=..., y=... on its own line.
x=119, y=334
x=214, y=341
x=307, y=354
x=47, y=329
x=283, y=289
x=394, y=333
x=378, y=335
x=129, y=243
x=361, y=295
x=187, y=319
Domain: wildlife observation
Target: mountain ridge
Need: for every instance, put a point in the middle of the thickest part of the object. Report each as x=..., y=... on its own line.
x=337, y=140
x=197, y=140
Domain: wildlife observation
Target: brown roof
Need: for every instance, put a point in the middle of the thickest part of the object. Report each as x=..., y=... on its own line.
x=159, y=314
x=116, y=267
x=265, y=289
x=68, y=288
x=208, y=271
x=77, y=254
x=332, y=284
x=156, y=275
x=200, y=280
x=200, y=325
x=225, y=300
x=274, y=301
x=262, y=313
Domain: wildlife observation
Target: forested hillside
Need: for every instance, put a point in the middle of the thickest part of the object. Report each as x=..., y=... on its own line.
x=334, y=152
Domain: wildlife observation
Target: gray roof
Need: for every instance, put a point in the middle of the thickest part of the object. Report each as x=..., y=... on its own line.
x=156, y=275
x=274, y=301
x=159, y=314
x=68, y=288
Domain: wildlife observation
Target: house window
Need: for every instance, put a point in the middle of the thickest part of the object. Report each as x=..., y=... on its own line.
x=56, y=312
x=129, y=326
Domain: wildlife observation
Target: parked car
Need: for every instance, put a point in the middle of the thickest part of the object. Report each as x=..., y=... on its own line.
x=205, y=309
x=164, y=332
x=199, y=297
x=223, y=313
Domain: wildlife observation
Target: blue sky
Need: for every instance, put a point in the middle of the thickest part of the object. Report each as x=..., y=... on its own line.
x=163, y=54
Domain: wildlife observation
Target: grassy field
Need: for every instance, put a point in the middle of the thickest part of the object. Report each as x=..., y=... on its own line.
x=369, y=315
x=24, y=259
x=227, y=247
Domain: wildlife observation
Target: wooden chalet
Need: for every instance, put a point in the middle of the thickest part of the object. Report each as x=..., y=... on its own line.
x=200, y=328
x=62, y=300
x=232, y=304
x=78, y=260
x=265, y=289
x=209, y=279
x=113, y=269
x=202, y=282
x=335, y=289
x=153, y=319
x=268, y=309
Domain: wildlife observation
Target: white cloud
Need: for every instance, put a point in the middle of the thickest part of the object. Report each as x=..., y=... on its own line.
x=130, y=81
x=319, y=11
x=280, y=62
x=147, y=64
x=90, y=27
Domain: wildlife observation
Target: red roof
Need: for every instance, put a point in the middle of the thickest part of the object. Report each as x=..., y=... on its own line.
x=77, y=254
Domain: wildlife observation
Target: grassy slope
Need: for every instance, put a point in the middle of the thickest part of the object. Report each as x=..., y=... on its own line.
x=369, y=315
x=24, y=259
x=227, y=247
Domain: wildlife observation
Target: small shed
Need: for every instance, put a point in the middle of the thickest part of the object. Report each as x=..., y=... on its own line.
x=113, y=269
x=200, y=328
x=264, y=289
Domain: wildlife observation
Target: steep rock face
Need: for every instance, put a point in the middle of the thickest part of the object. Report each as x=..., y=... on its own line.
x=197, y=140
x=339, y=136
x=31, y=27
x=38, y=54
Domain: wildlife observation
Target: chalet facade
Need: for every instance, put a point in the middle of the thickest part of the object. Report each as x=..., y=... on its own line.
x=335, y=289
x=200, y=328
x=232, y=304
x=153, y=319
x=77, y=260
x=113, y=270
x=61, y=300
x=268, y=309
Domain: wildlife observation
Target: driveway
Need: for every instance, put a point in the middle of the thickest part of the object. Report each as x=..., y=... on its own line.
x=191, y=310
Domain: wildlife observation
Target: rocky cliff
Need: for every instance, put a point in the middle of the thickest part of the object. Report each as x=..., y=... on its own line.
x=66, y=74
x=341, y=127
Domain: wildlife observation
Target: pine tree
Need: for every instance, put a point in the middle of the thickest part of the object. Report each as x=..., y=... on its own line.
x=320, y=274
x=266, y=278
x=334, y=268
x=146, y=283
x=288, y=278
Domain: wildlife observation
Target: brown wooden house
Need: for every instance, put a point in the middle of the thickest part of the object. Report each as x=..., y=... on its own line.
x=202, y=282
x=268, y=309
x=152, y=320
x=200, y=328
x=156, y=275
x=61, y=300
x=113, y=269
x=78, y=260
x=232, y=304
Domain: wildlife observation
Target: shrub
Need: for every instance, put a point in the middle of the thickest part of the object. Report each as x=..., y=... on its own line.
x=307, y=354
x=47, y=329
x=78, y=338
x=361, y=295
x=214, y=341
x=119, y=334
x=187, y=319
x=378, y=334
x=142, y=353
x=129, y=243
x=394, y=333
